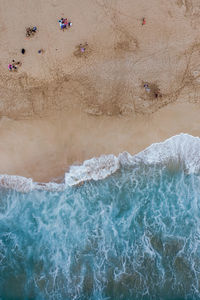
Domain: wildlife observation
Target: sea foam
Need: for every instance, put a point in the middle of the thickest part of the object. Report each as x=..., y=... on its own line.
x=179, y=148
x=134, y=235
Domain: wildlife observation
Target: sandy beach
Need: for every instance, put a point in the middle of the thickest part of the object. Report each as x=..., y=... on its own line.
x=62, y=107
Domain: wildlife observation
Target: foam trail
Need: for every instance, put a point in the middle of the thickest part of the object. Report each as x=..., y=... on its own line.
x=134, y=234
x=95, y=168
x=182, y=148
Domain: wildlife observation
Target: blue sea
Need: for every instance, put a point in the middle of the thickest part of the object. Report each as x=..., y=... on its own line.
x=128, y=229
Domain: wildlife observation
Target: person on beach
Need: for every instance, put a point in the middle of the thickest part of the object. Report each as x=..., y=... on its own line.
x=34, y=29
x=64, y=23
x=83, y=47
x=63, y=26
x=157, y=94
x=14, y=65
x=10, y=67
x=23, y=51
x=143, y=21
x=30, y=31
x=146, y=86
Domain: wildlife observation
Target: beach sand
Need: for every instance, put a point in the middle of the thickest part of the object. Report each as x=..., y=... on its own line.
x=61, y=107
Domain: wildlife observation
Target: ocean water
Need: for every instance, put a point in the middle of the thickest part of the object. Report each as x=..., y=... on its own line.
x=129, y=230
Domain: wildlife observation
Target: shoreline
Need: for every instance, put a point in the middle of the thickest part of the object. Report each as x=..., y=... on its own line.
x=44, y=149
x=176, y=152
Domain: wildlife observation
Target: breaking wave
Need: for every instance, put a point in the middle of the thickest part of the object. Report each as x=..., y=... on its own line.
x=179, y=149
x=134, y=234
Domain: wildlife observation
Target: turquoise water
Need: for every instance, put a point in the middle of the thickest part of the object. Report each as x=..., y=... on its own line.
x=133, y=235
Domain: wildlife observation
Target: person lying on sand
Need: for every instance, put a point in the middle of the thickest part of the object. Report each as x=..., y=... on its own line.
x=81, y=50
x=30, y=31
x=83, y=47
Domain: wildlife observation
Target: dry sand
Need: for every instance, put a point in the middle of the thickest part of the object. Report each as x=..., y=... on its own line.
x=61, y=108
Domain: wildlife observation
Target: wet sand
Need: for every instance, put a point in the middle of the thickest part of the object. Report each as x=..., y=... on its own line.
x=43, y=149
x=61, y=108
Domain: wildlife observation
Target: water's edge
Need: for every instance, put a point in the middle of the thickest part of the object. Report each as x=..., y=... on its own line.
x=179, y=148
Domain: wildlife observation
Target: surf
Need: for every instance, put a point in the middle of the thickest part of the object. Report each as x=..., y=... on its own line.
x=131, y=231
x=182, y=148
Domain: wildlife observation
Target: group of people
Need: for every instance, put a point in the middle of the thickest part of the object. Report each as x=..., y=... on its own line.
x=30, y=31
x=14, y=65
x=65, y=23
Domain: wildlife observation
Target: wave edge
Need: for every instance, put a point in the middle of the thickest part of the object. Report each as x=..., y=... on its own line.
x=182, y=147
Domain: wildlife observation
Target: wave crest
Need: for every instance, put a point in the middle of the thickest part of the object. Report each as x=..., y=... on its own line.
x=180, y=148
x=95, y=168
x=183, y=148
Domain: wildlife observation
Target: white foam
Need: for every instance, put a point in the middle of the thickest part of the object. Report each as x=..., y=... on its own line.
x=182, y=147
x=17, y=183
x=25, y=185
x=95, y=168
